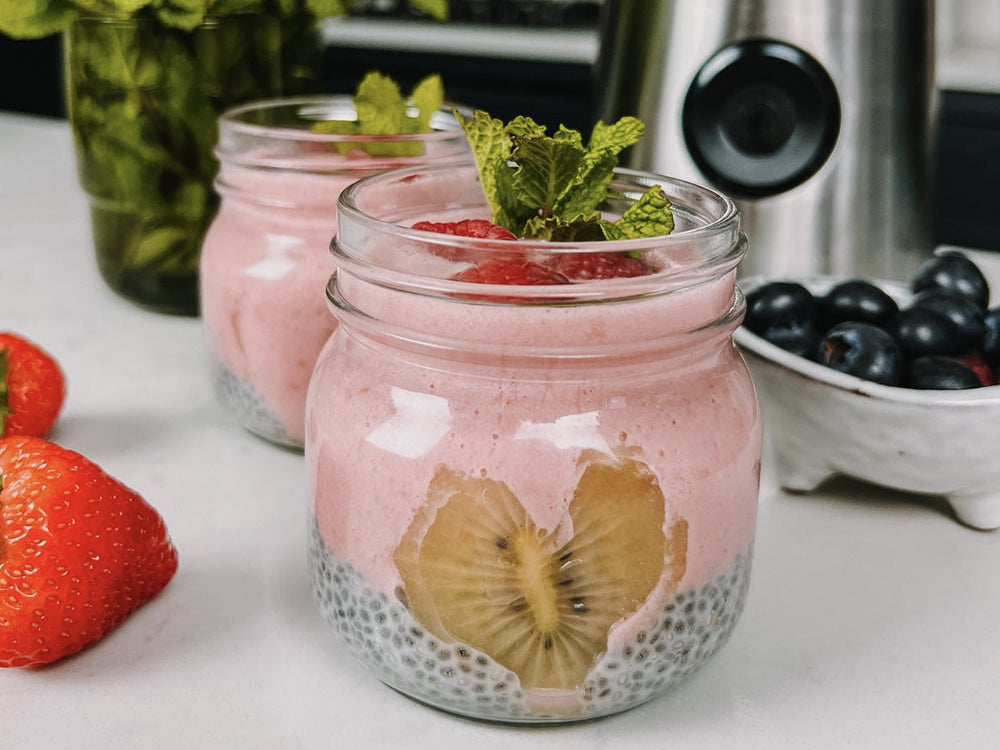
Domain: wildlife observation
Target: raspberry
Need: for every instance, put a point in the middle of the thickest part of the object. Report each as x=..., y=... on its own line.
x=467, y=228
x=477, y=228
x=509, y=272
x=512, y=272
x=587, y=266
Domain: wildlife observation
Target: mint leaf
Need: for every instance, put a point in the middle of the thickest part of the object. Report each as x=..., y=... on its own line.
x=437, y=9
x=33, y=19
x=581, y=229
x=650, y=216
x=490, y=146
x=428, y=98
x=569, y=136
x=545, y=169
x=551, y=187
x=144, y=101
x=180, y=14
x=522, y=126
x=335, y=127
x=380, y=106
x=597, y=170
x=327, y=8
x=615, y=138
x=216, y=8
x=591, y=187
x=382, y=110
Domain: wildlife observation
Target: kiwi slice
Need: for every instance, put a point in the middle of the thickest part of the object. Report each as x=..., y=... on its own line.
x=476, y=568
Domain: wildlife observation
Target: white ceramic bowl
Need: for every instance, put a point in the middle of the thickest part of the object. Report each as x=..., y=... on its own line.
x=823, y=422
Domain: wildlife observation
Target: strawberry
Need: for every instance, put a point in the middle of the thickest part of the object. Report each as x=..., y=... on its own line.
x=78, y=552
x=32, y=388
x=974, y=362
x=468, y=228
x=587, y=266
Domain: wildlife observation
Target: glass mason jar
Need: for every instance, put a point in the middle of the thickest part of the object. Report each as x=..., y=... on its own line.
x=144, y=101
x=531, y=503
x=265, y=259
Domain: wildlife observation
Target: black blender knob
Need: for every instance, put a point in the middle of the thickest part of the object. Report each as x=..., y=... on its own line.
x=760, y=117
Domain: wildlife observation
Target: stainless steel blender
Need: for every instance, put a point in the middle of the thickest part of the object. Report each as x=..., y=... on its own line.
x=815, y=115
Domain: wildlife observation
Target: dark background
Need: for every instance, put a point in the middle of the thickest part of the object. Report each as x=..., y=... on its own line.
x=967, y=155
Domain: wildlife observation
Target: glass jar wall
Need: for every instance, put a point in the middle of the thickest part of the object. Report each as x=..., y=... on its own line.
x=266, y=260
x=534, y=503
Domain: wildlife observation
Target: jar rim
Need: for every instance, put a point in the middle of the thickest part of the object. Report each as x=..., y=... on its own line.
x=712, y=226
x=325, y=108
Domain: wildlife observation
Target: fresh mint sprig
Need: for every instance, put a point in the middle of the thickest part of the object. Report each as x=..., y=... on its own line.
x=550, y=187
x=382, y=109
x=31, y=19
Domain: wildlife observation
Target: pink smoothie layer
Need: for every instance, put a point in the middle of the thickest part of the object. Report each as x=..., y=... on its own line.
x=376, y=439
x=263, y=275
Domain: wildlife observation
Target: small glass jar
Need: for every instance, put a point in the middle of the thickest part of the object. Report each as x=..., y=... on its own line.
x=265, y=259
x=533, y=503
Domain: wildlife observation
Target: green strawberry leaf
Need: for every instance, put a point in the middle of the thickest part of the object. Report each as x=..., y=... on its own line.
x=650, y=216
x=4, y=402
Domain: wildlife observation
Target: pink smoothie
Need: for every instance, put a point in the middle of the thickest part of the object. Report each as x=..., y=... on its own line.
x=687, y=410
x=263, y=273
x=433, y=390
x=266, y=258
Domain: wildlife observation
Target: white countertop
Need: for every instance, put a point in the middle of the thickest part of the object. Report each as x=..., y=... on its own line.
x=873, y=620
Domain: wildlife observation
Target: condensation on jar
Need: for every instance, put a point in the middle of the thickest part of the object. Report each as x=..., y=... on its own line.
x=265, y=259
x=530, y=504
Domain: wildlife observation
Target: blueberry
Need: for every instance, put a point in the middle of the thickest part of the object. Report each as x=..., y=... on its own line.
x=782, y=304
x=863, y=350
x=953, y=272
x=855, y=300
x=963, y=312
x=940, y=373
x=921, y=331
x=991, y=341
x=799, y=340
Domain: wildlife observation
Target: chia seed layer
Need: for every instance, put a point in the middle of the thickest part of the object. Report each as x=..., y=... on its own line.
x=240, y=399
x=381, y=632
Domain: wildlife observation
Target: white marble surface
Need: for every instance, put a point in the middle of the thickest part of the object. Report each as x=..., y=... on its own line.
x=873, y=620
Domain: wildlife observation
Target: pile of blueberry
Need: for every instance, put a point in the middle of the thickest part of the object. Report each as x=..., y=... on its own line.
x=945, y=337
